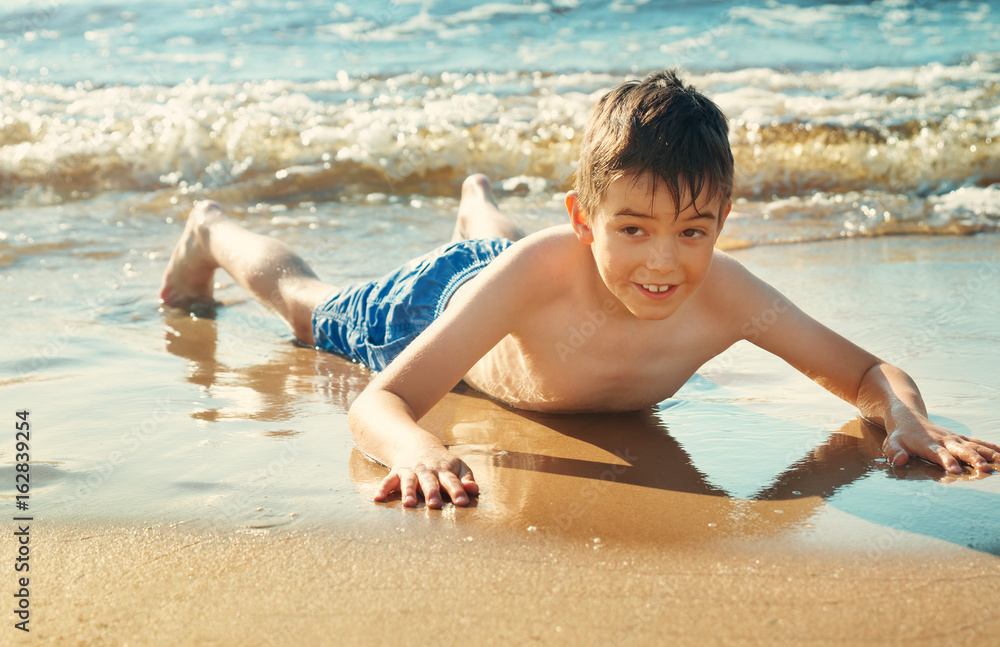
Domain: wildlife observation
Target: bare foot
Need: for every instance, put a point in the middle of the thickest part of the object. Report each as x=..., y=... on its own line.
x=478, y=213
x=187, y=280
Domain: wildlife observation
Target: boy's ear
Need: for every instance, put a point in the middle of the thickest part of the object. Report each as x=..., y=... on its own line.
x=722, y=218
x=578, y=218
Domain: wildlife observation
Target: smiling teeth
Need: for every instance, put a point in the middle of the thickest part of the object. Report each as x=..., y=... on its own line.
x=657, y=288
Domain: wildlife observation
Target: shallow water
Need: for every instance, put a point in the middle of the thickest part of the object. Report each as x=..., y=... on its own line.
x=346, y=130
x=150, y=417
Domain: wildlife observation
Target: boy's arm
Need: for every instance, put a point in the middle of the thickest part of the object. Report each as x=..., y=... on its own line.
x=383, y=420
x=384, y=429
x=889, y=397
x=883, y=393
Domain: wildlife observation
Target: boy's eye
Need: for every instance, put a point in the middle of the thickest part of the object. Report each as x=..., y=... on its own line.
x=632, y=231
x=692, y=233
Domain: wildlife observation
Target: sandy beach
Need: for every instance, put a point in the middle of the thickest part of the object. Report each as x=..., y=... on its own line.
x=193, y=480
x=226, y=503
x=456, y=584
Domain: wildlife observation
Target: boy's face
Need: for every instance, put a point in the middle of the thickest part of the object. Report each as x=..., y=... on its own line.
x=649, y=257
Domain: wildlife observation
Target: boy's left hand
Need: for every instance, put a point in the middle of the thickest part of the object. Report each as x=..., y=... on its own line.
x=920, y=437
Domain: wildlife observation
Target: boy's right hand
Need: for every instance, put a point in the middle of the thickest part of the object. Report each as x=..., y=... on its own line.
x=429, y=472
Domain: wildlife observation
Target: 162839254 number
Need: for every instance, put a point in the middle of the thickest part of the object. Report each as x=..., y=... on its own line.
x=22, y=484
x=22, y=456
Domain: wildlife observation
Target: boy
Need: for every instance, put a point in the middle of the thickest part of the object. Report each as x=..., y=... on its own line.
x=637, y=261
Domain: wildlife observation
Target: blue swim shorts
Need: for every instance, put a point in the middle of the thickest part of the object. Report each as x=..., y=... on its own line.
x=372, y=322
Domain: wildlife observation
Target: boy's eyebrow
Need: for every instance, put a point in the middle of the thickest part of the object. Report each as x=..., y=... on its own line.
x=628, y=211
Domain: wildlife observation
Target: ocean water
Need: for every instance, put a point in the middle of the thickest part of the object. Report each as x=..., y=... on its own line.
x=346, y=129
x=848, y=119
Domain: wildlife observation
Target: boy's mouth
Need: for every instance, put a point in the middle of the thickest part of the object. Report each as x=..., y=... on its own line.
x=657, y=291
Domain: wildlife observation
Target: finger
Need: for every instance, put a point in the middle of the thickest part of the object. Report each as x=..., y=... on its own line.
x=454, y=488
x=989, y=454
x=944, y=458
x=432, y=490
x=408, y=488
x=894, y=452
x=971, y=454
x=468, y=480
x=388, y=485
x=991, y=446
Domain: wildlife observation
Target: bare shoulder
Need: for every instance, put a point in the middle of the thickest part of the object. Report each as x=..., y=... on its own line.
x=529, y=272
x=735, y=293
x=548, y=247
x=541, y=259
x=729, y=279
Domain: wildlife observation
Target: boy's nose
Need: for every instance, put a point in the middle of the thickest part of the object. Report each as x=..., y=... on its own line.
x=661, y=257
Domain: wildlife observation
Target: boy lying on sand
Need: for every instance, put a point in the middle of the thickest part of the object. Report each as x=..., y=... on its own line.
x=637, y=261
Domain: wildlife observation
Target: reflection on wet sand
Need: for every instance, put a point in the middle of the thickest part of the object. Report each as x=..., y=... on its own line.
x=597, y=478
x=245, y=387
x=623, y=477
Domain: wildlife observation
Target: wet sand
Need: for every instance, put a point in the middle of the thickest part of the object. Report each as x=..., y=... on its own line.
x=194, y=481
x=461, y=585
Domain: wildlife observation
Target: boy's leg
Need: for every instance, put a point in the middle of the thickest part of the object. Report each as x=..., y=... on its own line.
x=478, y=214
x=263, y=266
x=275, y=275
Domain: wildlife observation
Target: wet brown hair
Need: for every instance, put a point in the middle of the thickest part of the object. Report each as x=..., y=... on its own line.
x=657, y=125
